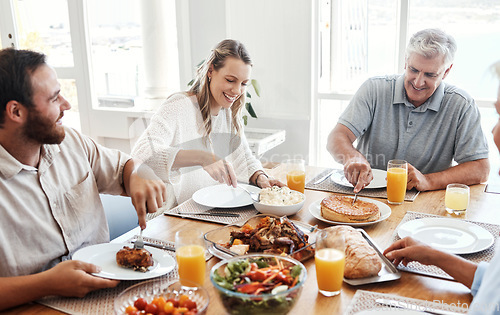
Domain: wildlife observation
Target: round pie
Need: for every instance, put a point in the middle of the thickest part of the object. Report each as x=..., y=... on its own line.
x=340, y=209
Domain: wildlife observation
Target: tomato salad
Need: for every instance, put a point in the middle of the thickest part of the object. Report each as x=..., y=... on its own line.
x=269, y=283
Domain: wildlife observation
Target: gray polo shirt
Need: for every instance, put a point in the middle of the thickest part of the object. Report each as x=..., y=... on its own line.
x=387, y=126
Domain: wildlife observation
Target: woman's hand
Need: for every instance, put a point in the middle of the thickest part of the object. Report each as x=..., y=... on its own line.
x=220, y=170
x=263, y=181
x=408, y=249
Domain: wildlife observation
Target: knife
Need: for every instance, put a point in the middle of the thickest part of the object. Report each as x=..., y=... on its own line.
x=322, y=179
x=414, y=307
x=216, y=214
x=165, y=247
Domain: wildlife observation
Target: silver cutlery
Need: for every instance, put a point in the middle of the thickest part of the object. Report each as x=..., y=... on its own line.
x=139, y=243
x=215, y=214
x=354, y=199
x=414, y=307
x=165, y=247
x=255, y=196
x=322, y=179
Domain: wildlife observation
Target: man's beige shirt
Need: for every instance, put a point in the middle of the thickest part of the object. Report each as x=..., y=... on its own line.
x=50, y=212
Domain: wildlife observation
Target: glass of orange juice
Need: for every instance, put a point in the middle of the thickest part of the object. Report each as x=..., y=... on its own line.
x=190, y=254
x=397, y=176
x=456, y=199
x=295, y=174
x=329, y=258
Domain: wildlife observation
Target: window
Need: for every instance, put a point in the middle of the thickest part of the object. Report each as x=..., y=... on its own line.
x=116, y=49
x=359, y=39
x=476, y=28
x=98, y=51
x=50, y=33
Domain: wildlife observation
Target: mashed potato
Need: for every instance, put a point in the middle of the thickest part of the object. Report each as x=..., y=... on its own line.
x=277, y=196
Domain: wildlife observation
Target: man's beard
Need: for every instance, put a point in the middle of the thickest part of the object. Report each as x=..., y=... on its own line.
x=43, y=130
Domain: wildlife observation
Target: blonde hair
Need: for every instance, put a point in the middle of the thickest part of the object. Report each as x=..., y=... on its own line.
x=201, y=85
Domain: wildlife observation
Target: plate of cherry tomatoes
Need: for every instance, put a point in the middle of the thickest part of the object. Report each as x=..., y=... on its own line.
x=161, y=296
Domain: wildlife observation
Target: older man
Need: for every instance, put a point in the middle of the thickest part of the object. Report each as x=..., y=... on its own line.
x=50, y=180
x=414, y=117
x=483, y=279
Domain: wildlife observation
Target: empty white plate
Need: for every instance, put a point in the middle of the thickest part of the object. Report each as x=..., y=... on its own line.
x=450, y=235
x=379, y=179
x=224, y=196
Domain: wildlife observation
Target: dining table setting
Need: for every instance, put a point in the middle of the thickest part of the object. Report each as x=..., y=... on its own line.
x=214, y=214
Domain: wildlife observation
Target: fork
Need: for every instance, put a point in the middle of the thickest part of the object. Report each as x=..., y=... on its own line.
x=354, y=199
x=255, y=197
x=139, y=243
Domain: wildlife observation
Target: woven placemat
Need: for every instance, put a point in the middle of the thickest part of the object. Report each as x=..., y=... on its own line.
x=100, y=301
x=329, y=185
x=416, y=267
x=366, y=300
x=191, y=206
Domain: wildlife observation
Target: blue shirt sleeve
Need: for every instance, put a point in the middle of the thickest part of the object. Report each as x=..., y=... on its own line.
x=478, y=277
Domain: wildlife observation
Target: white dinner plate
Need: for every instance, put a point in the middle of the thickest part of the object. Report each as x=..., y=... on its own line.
x=224, y=196
x=104, y=256
x=451, y=235
x=378, y=181
x=385, y=212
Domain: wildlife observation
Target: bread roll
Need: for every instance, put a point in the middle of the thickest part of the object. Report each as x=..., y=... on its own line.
x=340, y=209
x=361, y=260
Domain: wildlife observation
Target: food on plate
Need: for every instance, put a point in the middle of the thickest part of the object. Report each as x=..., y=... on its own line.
x=271, y=235
x=280, y=196
x=361, y=260
x=137, y=259
x=181, y=305
x=256, y=284
x=340, y=209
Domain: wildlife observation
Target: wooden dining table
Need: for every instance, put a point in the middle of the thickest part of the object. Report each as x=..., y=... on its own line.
x=483, y=207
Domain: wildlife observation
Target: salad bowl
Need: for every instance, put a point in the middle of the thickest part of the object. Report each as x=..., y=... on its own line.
x=259, y=283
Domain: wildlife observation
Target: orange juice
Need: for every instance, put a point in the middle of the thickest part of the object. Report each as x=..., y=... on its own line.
x=191, y=262
x=396, y=185
x=296, y=180
x=329, y=269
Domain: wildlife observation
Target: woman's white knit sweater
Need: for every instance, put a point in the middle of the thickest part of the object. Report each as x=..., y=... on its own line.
x=178, y=125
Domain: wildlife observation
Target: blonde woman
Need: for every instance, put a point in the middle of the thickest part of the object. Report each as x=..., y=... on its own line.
x=196, y=138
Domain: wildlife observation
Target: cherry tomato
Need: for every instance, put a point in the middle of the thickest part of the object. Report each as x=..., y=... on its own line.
x=181, y=310
x=140, y=303
x=175, y=302
x=160, y=302
x=151, y=308
x=257, y=275
x=169, y=307
x=131, y=310
x=182, y=299
x=190, y=304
